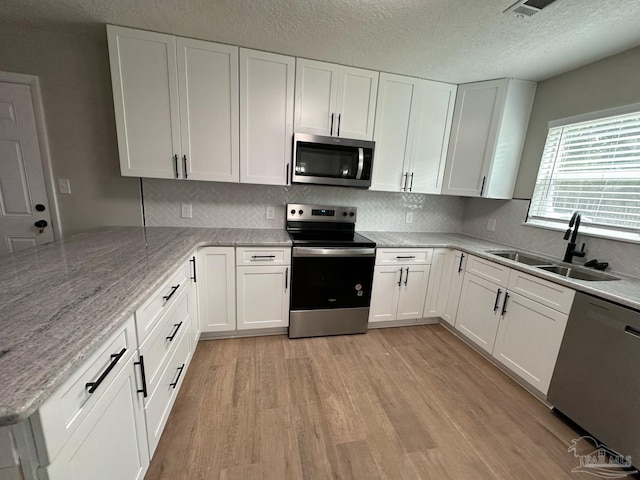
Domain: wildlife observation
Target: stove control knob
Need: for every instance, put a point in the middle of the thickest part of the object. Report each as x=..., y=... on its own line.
x=300, y=212
x=344, y=214
x=293, y=212
x=351, y=214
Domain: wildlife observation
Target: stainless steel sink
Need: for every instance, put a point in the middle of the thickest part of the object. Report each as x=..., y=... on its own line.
x=521, y=257
x=578, y=273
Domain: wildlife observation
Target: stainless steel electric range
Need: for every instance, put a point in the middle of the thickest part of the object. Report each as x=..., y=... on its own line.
x=331, y=272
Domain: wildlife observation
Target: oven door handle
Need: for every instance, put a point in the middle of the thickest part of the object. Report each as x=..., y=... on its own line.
x=360, y=163
x=333, y=252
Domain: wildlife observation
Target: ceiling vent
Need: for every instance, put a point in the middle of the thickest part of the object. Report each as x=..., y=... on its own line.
x=527, y=8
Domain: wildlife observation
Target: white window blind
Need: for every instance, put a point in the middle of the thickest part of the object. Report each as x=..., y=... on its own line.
x=592, y=167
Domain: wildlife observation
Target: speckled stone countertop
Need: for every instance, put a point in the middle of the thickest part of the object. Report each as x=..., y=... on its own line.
x=625, y=291
x=61, y=301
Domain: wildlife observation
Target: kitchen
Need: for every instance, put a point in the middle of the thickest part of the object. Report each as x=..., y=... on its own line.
x=84, y=150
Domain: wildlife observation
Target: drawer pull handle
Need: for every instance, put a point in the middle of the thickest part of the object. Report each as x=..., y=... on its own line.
x=262, y=258
x=400, y=281
x=180, y=370
x=460, y=266
x=143, y=376
x=115, y=358
x=632, y=331
x=173, y=290
x=504, y=305
x=408, y=256
x=495, y=305
x=406, y=278
x=175, y=332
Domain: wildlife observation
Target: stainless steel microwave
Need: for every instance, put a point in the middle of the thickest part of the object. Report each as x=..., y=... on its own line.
x=332, y=160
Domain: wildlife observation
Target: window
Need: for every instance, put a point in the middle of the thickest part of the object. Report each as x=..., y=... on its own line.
x=592, y=166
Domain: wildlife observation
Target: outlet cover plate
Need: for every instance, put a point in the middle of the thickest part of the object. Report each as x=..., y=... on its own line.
x=187, y=210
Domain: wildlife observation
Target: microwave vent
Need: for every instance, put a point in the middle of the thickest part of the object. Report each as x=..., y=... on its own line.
x=528, y=8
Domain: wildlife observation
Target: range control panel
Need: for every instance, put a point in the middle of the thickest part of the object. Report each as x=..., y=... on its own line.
x=320, y=213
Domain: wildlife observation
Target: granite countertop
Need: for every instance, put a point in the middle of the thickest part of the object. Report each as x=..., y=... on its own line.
x=625, y=291
x=61, y=301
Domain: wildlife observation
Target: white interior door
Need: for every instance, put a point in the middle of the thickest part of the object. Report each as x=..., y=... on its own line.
x=22, y=187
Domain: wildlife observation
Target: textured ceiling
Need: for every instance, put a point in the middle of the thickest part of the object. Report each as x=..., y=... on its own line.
x=455, y=41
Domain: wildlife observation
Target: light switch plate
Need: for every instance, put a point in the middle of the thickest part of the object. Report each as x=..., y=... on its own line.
x=64, y=186
x=491, y=225
x=271, y=213
x=187, y=210
x=409, y=217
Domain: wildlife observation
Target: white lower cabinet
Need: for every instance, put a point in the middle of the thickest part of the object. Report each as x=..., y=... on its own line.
x=438, y=282
x=216, y=289
x=263, y=297
x=111, y=441
x=447, y=303
x=400, y=281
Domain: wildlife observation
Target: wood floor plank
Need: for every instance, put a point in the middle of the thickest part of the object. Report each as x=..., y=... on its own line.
x=400, y=403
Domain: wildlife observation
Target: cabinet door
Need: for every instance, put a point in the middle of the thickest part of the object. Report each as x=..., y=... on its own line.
x=434, y=115
x=528, y=340
x=208, y=84
x=449, y=301
x=316, y=92
x=356, y=107
x=385, y=293
x=145, y=97
x=111, y=441
x=479, y=311
x=263, y=297
x=192, y=294
x=471, y=146
x=392, y=132
x=266, y=116
x=413, y=291
x=216, y=289
x=438, y=281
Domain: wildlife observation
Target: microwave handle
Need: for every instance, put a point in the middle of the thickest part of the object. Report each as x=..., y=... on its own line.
x=360, y=163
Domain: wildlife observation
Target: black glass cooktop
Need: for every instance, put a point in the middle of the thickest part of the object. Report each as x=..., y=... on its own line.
x=332, y=239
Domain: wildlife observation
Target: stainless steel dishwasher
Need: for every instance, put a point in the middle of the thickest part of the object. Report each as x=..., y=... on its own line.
x=596, y=381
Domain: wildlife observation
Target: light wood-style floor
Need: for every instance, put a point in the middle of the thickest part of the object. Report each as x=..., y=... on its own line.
x=396, y=403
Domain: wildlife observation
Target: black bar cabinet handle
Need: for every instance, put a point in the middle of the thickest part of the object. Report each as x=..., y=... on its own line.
x=632, y=331
x=400, y=281
x=331, y=131
x=143, y=376
x=173, y=290
x=411, y=183
x=406, y=278
x=286, y=278
x=408, y=256
x=287, y=175
x=193, y=261
x=460, y=266
x=259, y=257
x=180, y=370
x=404, y=182
x=504, y=305
x=339, y=121
x=175, y=332
x=175, y=162
x=115, y=358
x=184, y=162
x=495, y=305
x=484, y=179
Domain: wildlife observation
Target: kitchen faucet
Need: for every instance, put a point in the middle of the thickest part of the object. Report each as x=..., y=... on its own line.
x=571, y=246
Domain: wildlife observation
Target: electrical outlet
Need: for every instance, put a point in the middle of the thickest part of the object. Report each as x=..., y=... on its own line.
x=187, y=210
x=409, y=217
x=64, y=186
x=491, y=225
x=271, y=213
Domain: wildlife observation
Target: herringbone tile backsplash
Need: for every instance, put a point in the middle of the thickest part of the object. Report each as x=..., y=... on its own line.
x=244, y=206
x=623, y=257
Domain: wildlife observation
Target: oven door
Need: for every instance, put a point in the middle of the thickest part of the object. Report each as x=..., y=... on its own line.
x=331, y=278
x=332, y=161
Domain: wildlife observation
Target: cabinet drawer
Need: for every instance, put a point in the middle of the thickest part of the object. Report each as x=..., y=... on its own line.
x=263, y=256
x=148, y=314
x=494, y=272
x=60, y=415
x=161, y=342
x=547, y=293
x=160, y=402
x=404, y=256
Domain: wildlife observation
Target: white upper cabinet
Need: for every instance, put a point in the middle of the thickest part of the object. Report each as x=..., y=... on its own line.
x=145, y=94
x=489, y=126
x=266, y=116
x=413, y=121
x=334, y=100
x=208, y=92
x=176, y=105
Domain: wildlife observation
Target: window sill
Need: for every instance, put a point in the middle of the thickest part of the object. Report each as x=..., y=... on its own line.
x=589, y=231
